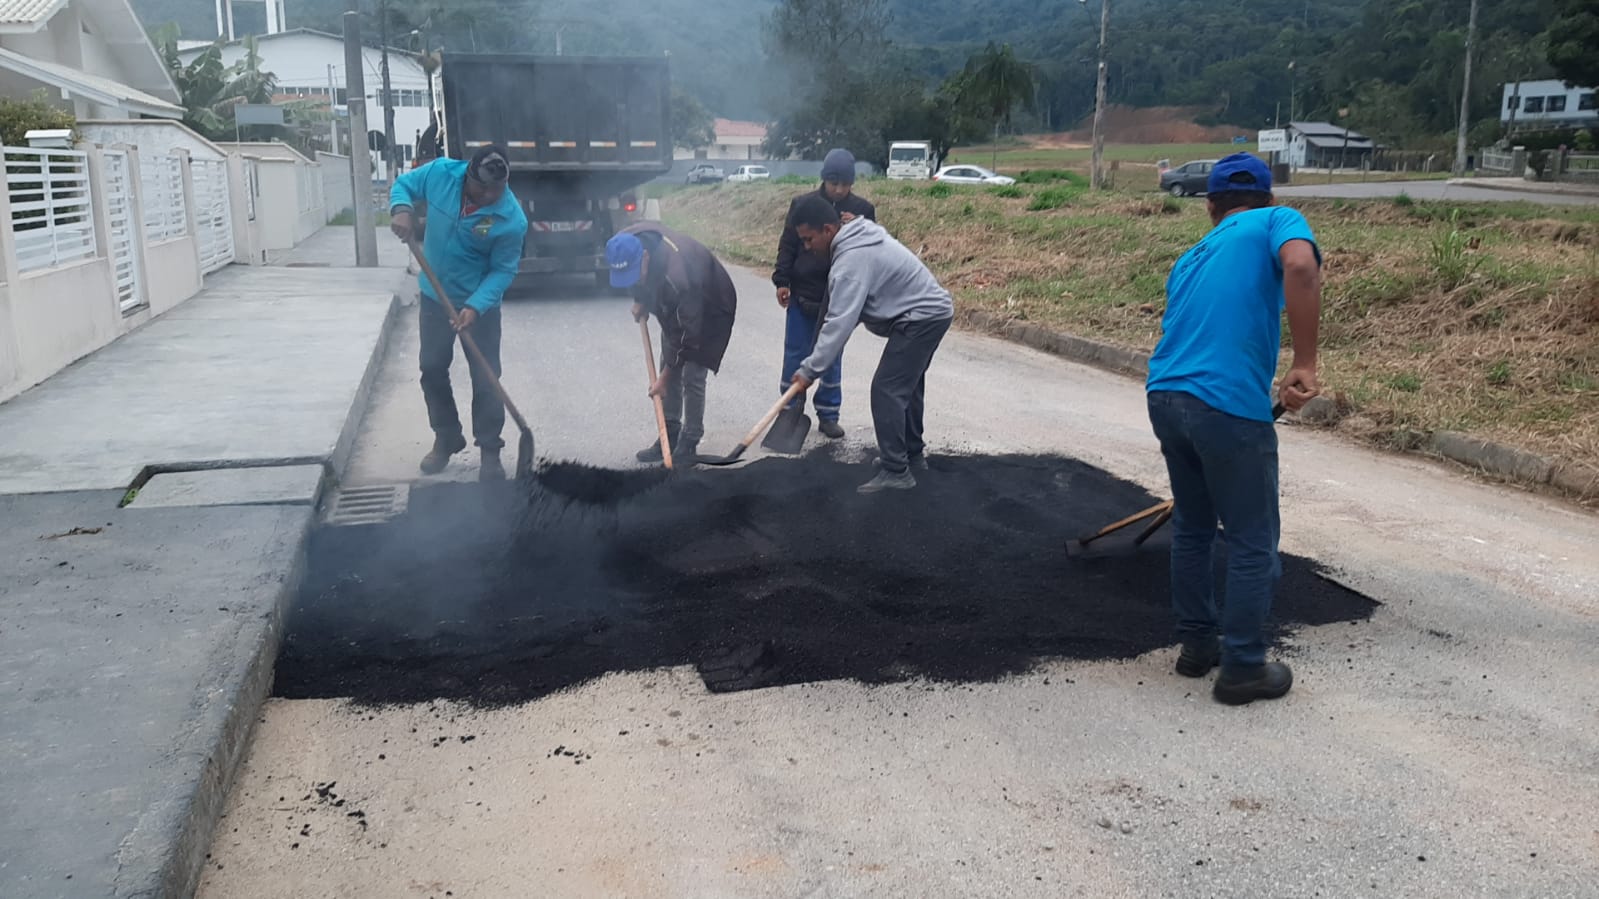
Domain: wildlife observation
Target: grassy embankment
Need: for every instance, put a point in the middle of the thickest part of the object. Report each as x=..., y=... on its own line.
x=1477, y=317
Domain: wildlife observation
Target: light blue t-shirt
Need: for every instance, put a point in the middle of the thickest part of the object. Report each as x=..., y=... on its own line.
x=1224, y=306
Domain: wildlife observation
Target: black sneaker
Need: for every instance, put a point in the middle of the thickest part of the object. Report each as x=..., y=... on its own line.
x=1241, y=686
x=1198, y=656
x=830, y=429
x=443, y=448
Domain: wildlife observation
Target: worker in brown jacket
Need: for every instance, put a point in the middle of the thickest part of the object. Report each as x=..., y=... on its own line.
x=680, y=282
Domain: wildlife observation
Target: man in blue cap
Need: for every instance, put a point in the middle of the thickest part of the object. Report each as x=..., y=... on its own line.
x=474, y=244
x=801, y=281
x=682, y=283
x=1210, y=404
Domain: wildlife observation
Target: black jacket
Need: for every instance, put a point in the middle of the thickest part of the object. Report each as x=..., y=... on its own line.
x=803, y=273
x=691, y=294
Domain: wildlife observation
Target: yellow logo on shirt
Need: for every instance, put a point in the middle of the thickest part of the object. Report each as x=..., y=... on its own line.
x=484, y=226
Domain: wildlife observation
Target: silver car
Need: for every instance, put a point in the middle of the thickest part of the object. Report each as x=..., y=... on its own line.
x=971, y=174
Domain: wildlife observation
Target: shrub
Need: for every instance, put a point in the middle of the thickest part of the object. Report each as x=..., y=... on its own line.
x=18, y=117
x=1053, y=198
x=1009, y=192
x=940, y=190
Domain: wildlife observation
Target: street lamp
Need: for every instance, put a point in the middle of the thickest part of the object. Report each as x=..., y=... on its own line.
x=1097, y=174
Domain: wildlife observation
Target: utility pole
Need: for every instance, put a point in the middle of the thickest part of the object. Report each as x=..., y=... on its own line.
x=1098, y=174
x=333, y=115
x=1465, y=97
x=366, y=234
x=391, y=153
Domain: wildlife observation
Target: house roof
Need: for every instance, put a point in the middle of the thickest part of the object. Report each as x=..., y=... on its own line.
x=187, y=47
x=1325, y=129
x=101, y=90
x=1336, y=142
x=27, y=15
x=731, y=128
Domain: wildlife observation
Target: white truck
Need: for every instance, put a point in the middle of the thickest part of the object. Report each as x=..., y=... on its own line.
x=910, y=160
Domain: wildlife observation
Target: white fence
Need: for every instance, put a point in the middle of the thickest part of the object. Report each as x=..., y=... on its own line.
x=161, y=191
x=213, y=213
x=120, y=225
x=1489, y=160
x=52, y=214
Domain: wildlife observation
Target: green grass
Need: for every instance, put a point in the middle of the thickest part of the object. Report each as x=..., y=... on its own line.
x=1054, y=198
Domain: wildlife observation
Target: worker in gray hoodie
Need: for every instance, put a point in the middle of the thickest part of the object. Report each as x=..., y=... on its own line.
x=875, y=280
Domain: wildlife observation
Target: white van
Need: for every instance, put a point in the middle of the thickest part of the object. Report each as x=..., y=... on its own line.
x=910, y=160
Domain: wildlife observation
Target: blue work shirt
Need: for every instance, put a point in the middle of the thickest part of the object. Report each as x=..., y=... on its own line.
x=475, y=255
x=1224, y=306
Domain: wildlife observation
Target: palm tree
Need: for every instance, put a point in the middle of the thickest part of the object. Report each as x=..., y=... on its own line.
x=211, y=90
x=998, y=80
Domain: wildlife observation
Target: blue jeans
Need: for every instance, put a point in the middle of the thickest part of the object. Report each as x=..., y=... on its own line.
x=797, y=341
x=1223, y=468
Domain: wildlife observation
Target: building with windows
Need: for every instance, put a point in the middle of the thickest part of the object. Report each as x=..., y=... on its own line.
x=1551, y=103
x=309, y=65
x=87, y=56
x=1321, y=145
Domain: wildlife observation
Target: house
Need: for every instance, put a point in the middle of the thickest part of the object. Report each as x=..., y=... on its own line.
x=1550, y=103
x=735, y=141
x=309, y=65
x=1321, y=145
x=89, y=56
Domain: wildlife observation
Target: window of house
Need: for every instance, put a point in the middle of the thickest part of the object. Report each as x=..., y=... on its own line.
x=1534, y=104
x=1513, y=101
x=1556, y=104
x=1587, y=101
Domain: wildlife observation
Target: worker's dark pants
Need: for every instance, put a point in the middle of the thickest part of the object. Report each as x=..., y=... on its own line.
x=1223, y=468
x=899, y=389
x=683, y=404
x=438, y=350
x=799, y=338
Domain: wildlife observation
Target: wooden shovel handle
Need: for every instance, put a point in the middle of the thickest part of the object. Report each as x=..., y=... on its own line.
x=794, y=391
x=466, y=337
x=660, y=410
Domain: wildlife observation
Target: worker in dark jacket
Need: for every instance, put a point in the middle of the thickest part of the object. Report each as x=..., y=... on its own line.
x=801, y=280
x=678, y=280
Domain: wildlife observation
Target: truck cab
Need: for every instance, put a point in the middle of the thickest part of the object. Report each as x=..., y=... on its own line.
x=580, y=133
x=910, y=160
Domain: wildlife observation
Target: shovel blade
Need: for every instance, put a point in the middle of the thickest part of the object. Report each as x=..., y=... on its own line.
x=787, y=434
x=524, y=456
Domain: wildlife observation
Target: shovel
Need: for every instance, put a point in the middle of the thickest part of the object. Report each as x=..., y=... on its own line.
x=791, y=446
x=660, y=410
x=524, y=445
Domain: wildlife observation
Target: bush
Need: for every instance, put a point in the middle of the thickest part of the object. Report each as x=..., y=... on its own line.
x=1009, y=192
x=18, y=117
x=940, y=190
x=1051, y=176
x=1404, y=201
x=1054, y=198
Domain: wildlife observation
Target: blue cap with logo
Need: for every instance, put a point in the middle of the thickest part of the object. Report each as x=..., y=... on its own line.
x=625, y=255
x=1240, y=171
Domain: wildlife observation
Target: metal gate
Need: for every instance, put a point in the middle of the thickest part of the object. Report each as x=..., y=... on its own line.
x=213, y=213
x=120, y=225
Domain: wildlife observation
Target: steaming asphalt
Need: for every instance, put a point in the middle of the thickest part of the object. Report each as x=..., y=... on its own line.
x=1447, y=746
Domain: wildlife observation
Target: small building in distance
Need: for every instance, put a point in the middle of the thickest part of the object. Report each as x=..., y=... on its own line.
x=735, y=142
x=1551, y=103
x=1322, y=145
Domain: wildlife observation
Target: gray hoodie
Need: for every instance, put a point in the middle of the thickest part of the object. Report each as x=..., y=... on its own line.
x=875, y=280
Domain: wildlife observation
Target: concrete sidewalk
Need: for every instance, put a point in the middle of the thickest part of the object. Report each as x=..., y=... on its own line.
x=136, y=643
x=1521, y=185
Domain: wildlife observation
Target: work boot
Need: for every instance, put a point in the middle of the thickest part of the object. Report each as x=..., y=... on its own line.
x=491, y=468
x=443, y=448
x=652, y=453
x=888, y=480
x=686, y=452
x=830, y=429
x=915, y=463
x=1198, y=656
x=1241, y=686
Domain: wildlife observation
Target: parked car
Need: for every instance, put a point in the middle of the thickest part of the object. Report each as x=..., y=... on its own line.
x=705, y=173
x=1188, y=179
x=971, y=174
x=748, y=173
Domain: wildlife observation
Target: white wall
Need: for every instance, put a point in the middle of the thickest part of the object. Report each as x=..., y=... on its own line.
x=336, y=189
x=277, y=209
x=153, y=137
x=1542, y=91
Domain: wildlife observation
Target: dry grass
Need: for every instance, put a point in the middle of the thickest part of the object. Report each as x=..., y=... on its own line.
x=1482, y=318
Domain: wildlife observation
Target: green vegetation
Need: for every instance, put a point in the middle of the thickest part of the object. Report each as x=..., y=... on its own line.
x=18, y=117
x=1475, y=317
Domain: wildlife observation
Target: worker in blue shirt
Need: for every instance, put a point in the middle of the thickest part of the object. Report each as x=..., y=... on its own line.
x=1210, y=404
x=474, y=244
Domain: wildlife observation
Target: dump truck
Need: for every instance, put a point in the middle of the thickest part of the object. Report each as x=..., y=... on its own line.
x=582, y=133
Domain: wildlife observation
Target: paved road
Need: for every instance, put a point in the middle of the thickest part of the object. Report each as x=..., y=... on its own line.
x=1448, y=746
x=1433, y=190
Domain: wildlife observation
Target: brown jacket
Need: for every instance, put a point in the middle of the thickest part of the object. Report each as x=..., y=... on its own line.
x=690, y=292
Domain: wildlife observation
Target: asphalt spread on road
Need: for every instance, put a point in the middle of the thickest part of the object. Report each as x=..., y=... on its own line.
x=773, y=573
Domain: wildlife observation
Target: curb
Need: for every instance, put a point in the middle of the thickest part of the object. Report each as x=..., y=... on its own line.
x=1507, y=462
x=1530, y=187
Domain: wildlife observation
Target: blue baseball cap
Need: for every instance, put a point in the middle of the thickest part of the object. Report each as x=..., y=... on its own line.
x=1240, y=171
x=625, y=255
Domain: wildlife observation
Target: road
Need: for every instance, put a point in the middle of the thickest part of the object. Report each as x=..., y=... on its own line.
x=1447, y=746
x=1433, y=190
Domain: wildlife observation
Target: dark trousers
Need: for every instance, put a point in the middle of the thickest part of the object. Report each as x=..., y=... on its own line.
x=899, y=390
x=1223, y=468
x=438, y=350
x=799, y=332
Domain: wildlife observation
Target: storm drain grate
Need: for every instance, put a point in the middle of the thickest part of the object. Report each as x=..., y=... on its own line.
x=371, y=504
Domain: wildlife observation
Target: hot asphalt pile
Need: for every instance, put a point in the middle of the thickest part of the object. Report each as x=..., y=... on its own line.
x=774, y=573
